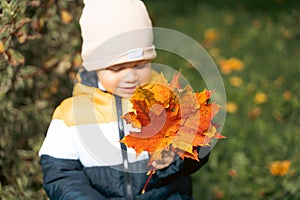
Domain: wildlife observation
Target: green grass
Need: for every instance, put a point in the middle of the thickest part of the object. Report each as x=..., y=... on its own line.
x=267, y=42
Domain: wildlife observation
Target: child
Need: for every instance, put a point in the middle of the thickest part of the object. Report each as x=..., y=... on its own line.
x=81, y=156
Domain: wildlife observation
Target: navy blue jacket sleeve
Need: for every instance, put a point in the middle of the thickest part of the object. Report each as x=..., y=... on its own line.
x=65, y=180
x=186, y=166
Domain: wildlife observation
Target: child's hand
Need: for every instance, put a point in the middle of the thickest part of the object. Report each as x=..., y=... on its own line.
x=167, y=159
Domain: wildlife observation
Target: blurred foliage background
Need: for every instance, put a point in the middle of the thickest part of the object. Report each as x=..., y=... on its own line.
x=255, y=44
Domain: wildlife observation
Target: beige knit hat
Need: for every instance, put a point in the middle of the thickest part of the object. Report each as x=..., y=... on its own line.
x=114, y=32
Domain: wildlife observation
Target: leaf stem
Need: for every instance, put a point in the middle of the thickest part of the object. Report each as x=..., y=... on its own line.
x=149, y=173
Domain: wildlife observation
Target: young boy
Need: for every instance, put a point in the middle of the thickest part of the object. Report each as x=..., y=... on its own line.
x=81, y=156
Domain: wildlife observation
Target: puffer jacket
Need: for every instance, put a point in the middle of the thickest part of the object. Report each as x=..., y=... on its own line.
x=82, y=158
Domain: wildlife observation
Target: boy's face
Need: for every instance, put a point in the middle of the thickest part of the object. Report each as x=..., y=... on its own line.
x=122, y=79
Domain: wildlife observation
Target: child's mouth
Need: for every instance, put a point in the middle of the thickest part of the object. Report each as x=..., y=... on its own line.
x=128, y=89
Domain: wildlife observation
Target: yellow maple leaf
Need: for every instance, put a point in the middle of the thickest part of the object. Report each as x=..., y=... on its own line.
x=231, y=64
x=231, y=107
x=2, y=47
x=211, y=35
x=280, y=168
x=260, y=97
x=66, y=17
x=210, y=132
x=236, y=81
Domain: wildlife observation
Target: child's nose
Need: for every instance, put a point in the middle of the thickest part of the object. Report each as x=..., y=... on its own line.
x=130, y=75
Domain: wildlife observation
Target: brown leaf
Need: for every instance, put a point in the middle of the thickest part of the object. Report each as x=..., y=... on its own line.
x=15, y=58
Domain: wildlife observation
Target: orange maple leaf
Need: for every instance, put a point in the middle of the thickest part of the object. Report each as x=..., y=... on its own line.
x=169, y=117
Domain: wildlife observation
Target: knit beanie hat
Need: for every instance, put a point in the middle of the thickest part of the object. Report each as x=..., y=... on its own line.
x=115, y=32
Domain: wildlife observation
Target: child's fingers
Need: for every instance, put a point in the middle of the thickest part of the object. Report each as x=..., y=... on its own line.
x=167, y=159
x=157, y=165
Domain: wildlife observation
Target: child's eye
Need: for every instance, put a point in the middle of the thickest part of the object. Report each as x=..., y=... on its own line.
x=141, y=66
x=116, y=69
x=122, y=67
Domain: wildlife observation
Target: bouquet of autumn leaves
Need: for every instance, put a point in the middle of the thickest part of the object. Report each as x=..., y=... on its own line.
x=169, y=117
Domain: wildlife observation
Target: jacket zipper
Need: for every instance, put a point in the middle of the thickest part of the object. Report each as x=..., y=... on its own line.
x=127, y=180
